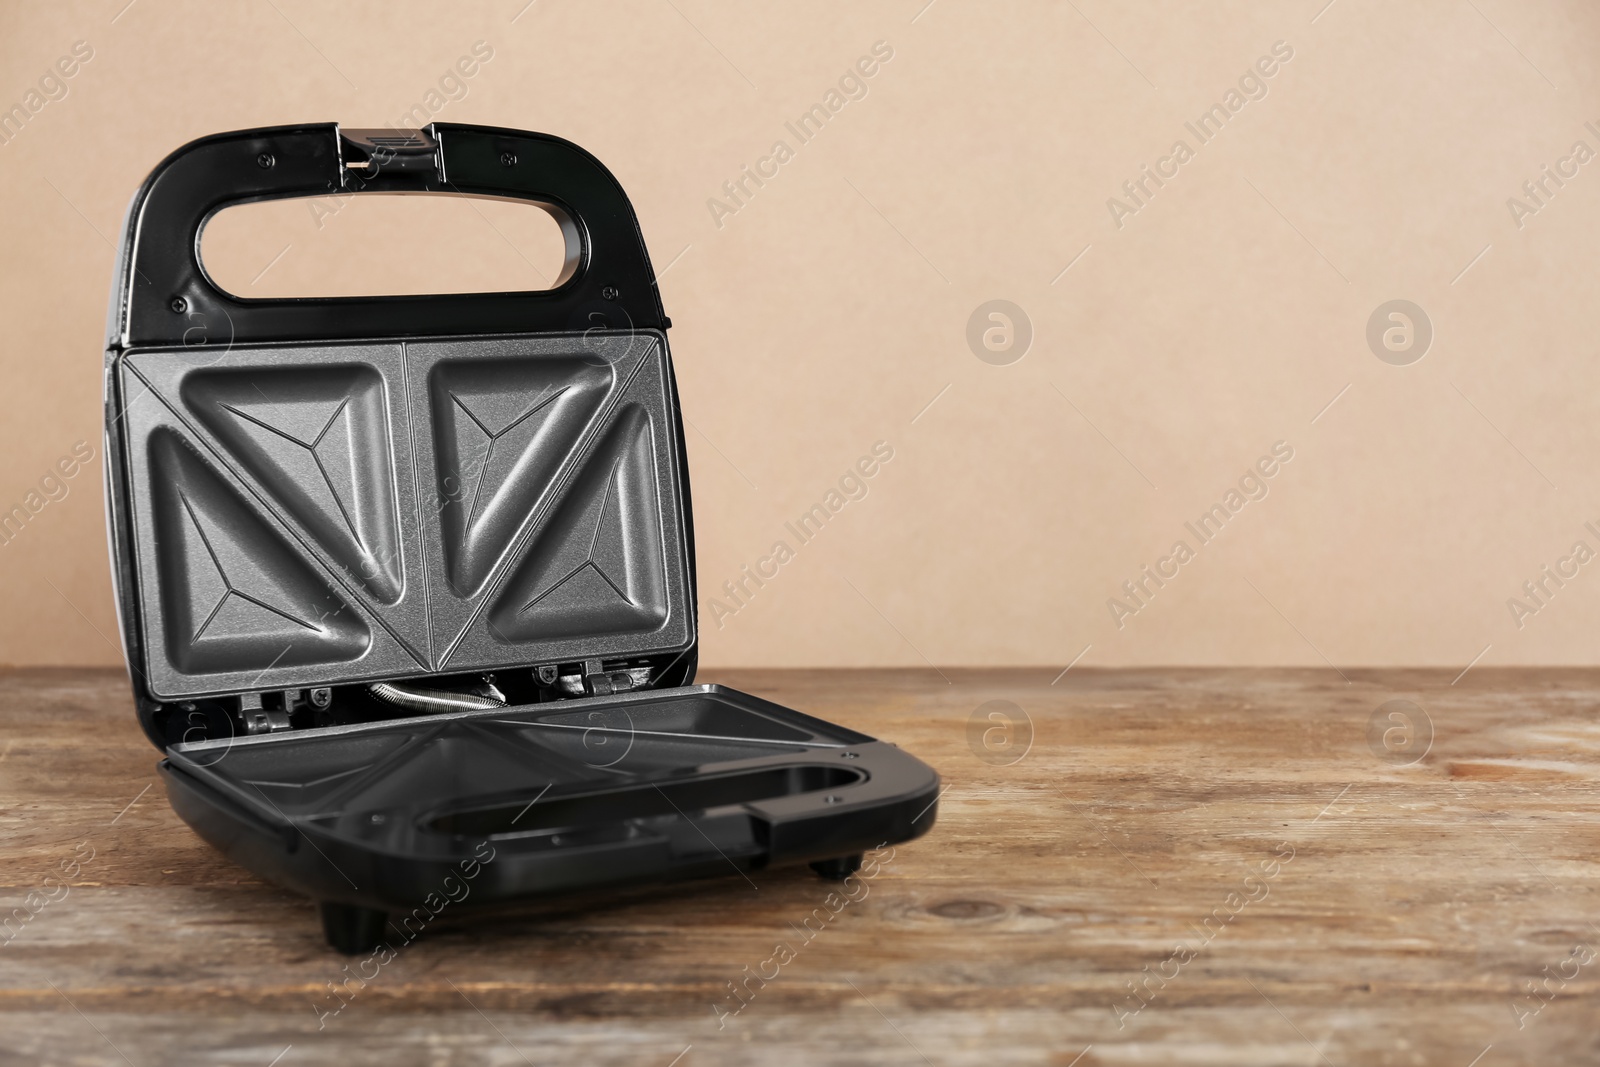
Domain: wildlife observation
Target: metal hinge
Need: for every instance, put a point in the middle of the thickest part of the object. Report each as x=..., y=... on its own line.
x=597, y=681
x=590, y=678
x=259, y=719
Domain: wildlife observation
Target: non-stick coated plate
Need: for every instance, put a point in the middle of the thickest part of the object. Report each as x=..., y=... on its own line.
x=324, y=514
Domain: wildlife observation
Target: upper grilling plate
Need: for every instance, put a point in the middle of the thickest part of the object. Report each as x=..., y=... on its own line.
x=313, y=515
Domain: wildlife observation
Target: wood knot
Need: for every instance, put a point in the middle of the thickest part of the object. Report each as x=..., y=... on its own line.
x=968, y=910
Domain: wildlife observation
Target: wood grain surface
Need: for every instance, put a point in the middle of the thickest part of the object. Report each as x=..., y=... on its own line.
x=1231, y=867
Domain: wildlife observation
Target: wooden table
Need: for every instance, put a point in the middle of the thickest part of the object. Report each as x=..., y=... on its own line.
x=1228, y=867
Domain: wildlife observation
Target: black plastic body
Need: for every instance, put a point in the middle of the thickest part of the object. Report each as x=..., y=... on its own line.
x=371, y=811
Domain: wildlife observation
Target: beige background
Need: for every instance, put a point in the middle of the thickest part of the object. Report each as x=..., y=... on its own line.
x=829, y=311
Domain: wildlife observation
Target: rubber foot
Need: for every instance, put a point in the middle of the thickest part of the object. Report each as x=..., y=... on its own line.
x=351, y=928
x=838, y=869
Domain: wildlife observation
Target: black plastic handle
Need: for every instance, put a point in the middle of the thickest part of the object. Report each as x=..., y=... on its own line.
x=163, y=296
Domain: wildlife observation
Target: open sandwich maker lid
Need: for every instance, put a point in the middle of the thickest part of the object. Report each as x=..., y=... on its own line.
x=314, y=493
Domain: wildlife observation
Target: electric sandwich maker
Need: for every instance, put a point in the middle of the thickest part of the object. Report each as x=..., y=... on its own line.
x=406, y=584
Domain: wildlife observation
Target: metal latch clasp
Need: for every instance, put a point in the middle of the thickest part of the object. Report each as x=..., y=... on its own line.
x=370, y=153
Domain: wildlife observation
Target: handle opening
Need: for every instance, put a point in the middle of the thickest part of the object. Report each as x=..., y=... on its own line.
x=388, y=244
